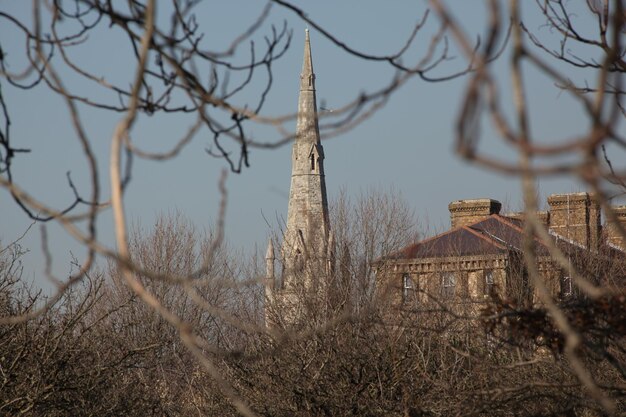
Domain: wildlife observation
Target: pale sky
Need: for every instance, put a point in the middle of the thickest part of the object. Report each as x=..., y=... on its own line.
x=408, y=145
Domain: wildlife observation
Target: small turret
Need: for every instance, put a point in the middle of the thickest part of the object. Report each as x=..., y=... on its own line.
x=330, y=253
x=269, y=262
x=270, y=280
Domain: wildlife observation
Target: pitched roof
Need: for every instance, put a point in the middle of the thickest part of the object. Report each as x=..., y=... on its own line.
x=493, y=235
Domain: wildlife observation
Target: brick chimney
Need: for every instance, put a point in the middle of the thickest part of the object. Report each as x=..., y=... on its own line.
x=464, y=212
x=612, y=235
x=576, y=216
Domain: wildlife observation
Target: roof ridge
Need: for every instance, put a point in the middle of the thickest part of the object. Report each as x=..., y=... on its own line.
x=507, y=221
x=424, y=241
x=428, y=239
x=482, y=236
x=504, y=220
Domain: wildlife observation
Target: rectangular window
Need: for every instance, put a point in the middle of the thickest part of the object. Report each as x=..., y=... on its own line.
x=488, y=284
x=566, y=286
x=448, y=284
x=408, y=289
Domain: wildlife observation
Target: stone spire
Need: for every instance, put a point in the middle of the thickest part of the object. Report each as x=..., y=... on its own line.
x=306, y=238
x=307, y=254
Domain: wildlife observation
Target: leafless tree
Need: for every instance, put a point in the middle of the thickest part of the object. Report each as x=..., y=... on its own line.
x=376, y=223
x=66, y=360
x=169, y=57
x=602, y=104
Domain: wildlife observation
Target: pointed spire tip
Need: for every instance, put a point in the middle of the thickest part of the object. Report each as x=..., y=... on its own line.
x=306, y=76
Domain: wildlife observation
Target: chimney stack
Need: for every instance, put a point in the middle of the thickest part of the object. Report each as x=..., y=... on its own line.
x=576, y=217
x=612, y=234
x=464, y=212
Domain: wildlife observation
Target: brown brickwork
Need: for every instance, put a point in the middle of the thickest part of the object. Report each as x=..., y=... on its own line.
x=612, y=233
x=464, y=212
x=576, y=217
x=482, y=255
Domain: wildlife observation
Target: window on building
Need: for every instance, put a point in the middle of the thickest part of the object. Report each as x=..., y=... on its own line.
x=312, y=161
x=488, y=284
x=566, y=286
x=448, y=284
x=408, y=289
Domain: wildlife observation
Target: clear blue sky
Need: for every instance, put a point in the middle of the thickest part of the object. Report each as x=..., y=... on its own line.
x=407, y=145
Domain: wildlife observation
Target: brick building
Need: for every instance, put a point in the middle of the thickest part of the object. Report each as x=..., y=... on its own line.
x=482, y=254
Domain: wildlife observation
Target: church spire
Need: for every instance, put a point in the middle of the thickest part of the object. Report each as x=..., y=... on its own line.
x=306, y=239
x=306, y=252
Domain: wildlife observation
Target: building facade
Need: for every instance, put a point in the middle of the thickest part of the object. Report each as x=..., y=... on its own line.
x=482, y=255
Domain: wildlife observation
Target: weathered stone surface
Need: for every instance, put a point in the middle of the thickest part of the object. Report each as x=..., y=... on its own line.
x=306, y=236
x=305, y=248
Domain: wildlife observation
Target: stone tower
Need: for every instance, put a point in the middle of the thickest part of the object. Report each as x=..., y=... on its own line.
x=305, y=249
